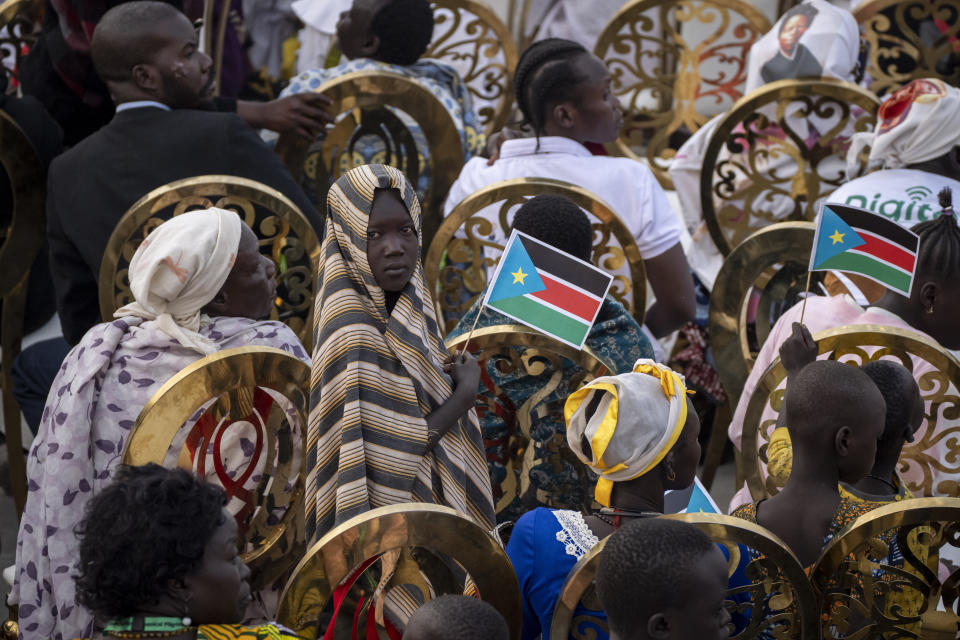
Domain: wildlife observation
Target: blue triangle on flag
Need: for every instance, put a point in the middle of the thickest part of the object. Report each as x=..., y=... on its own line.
x=835, y=237
x=516, y=276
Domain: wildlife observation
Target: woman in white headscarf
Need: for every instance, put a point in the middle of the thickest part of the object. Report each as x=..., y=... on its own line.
x=638, y=431
x=199, y=285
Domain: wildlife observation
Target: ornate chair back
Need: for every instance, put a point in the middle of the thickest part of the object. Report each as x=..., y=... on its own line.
x=361, y=99
x=550, y=370
x=283, y=231
x=909, y=39
x=774, y=261
x=880, y=577
x=929, y=464
x=422, y=535
x=469, y=242
x=777, y=599
x=778, y=153
x=218, y=16
x=20, y=19
x=675, y=64
x=21, y=239
x=470, y=37
x=207, y=416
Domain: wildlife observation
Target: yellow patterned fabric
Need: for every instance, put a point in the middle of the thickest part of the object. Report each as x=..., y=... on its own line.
x=375, y=378
x=240, y=632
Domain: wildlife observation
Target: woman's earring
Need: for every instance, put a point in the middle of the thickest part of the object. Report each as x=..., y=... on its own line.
x=930, y=310
x=671, y=474
x=186, y=610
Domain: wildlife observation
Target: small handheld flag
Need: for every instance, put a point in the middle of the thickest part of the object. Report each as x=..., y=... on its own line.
x=859, y=241
x=547, y=289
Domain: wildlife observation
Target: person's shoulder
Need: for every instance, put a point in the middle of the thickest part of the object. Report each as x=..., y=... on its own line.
x=240, y=332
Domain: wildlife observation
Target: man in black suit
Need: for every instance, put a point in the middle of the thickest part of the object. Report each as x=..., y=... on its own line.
x=147, y=53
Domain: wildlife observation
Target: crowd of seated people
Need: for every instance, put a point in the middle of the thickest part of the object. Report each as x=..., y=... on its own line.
x=120, y=102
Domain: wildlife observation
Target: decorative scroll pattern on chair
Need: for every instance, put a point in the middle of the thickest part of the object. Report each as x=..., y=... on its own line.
x=909, y=39
x=284, y=234
x=930, y=464
x=468, y=245
x=240, y=405
x=470, y=37
x=778, y=153
x=535, y=361
x=669, y=83
x=429, y=550
x=880, y=577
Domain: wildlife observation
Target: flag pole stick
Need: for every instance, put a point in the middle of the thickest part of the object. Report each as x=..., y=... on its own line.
x=470, y=335
x=806, y=294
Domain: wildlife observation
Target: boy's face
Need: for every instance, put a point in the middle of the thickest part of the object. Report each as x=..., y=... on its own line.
x=703, y=616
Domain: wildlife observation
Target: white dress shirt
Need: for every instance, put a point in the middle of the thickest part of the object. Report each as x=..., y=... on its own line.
x=626, y=185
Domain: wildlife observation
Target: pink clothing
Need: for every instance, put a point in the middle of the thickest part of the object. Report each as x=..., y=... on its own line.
x=829, y=313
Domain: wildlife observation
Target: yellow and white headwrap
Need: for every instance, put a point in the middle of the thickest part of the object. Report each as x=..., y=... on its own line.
x=639, y=417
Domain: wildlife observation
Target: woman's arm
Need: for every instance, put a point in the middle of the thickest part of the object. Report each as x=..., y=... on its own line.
x=466, y=378
x=669, y=275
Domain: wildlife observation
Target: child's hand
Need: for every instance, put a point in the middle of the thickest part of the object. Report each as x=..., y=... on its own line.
x=465, y=371
x=798, y=350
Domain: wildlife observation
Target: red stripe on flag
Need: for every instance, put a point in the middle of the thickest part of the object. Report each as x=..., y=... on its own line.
x=570, y=300
x=887, y=251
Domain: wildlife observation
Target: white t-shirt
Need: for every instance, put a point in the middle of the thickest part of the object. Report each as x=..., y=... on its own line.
x=626, y=185
x=906, y=196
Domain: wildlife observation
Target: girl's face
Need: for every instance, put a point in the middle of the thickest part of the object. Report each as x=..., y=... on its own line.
x=595, y=114
x=393, y=246
x=686, y=451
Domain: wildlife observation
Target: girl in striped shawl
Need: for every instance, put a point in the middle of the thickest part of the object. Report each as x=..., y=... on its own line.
x=391, y=417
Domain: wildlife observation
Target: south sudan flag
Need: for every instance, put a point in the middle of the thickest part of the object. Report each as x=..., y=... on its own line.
x=547, y=289
x=858, y=241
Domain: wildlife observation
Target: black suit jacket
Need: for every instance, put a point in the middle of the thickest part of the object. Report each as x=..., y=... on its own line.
x=91, y=186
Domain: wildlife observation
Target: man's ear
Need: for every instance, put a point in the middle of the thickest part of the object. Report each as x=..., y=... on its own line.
x=564, y=115
x=841, y=441
x=216, y=306
x=658, y=627
x=146, y=78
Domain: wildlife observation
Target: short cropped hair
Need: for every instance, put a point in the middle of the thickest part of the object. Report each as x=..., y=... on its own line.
x=558, y=222
x=126, y=36
x=149, y=527
x=645, y=568
x=405, y=29
x=899, y=391
x=457, y=617
x=827, y=394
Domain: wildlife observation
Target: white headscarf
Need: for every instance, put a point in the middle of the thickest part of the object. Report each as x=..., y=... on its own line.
x=639, y=418
x=179, y=268
x=916, y=123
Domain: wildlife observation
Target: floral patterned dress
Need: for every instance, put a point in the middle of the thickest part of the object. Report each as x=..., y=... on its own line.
x=102, y=385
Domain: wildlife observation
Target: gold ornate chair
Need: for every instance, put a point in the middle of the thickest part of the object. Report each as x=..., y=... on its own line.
x=22, y=238
x=879, y=577
x=778, y=152
x=248, y=397
x=284, y=232
x=905, y=42
x=929, y=464
x=361, y=99
x=432, y=531
x=20, y=18
x=549, y=370
x=213, y=32
x=460, y=255
x=470, y=37
x=670, y=82
x=778, y=599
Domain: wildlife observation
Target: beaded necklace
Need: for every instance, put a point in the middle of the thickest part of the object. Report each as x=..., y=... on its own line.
x=137, y=627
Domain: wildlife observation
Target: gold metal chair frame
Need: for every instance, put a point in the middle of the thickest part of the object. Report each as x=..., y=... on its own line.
x=437, y=528
x=517, y=347
x=783, y=243
x=489, y=81
x=213, y=36
x=363, y=96
x=615, y=247
x=677, y=84
x=847, y=344
x=22, y=242
x=742, y=129
x=293, y=244
x=776, y=559
x=19, y=17
x=231, y=376
x=897, y=52
x=851, y=575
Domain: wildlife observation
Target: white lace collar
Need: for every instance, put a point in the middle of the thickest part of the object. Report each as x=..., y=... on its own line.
x=574, y=534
